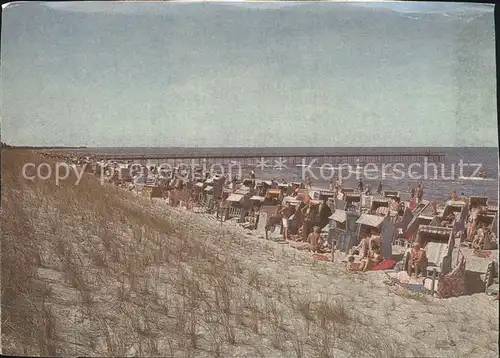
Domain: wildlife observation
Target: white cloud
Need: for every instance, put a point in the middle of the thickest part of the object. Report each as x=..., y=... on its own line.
x=421, y=7
x=146, y=7
x=116, y=7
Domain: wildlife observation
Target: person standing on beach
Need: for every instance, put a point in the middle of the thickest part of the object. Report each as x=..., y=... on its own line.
x=308, y=181
x=285, y=213
x=360, y=185
x=309, y=212
x=412, y=193
x=379, y=189
x=420, y=192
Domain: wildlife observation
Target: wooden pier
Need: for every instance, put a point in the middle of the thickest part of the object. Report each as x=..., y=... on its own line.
x=253, y=156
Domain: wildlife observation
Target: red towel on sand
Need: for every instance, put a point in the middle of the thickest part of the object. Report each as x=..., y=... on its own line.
x=387, y=264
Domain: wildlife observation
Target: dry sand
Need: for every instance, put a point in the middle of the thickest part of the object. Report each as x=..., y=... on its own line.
x=117, y=274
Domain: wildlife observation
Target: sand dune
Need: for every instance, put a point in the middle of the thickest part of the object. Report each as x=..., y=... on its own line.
x=92, y=270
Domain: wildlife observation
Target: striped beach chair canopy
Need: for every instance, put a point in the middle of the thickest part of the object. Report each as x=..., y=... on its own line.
x=326, y=193
x=457, y=203
x=382, y=211
x=381, y=200
x=433, y=233
x=273, y=191
x=476, y=201
x=453, y=207
x=348, y=190
x=391, y=193
x=378, y=203
x=352, y=197
x=492, y=209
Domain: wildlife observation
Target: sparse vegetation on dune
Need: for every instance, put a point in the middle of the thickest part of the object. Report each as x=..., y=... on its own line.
x=93, y=270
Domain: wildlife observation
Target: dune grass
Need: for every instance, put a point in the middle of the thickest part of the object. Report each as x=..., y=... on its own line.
x=94, y=270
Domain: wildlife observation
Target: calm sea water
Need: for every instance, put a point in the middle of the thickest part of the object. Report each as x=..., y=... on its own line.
x=438, y=188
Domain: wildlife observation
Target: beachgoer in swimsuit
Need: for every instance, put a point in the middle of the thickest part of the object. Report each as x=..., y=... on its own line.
x=285, y=213
x=418, y=260
x=420, y=192
x=372, y=260
x=471, y=227
x=315, y=240
x=478, y=241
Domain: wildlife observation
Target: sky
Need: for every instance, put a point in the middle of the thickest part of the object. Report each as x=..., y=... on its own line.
x=248, y=74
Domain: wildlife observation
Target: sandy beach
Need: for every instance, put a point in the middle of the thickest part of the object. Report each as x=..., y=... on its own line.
x=274, y=179
x=120, y=274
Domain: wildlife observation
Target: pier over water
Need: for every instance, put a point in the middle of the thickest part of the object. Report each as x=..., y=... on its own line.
x=254, y=155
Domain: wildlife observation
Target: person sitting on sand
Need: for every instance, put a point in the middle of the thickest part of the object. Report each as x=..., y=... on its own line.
x=488, y=236
x=372, y=260
x=375, y=240
x=418, y=260
x=315, y=240
x=449, y=220
x=366, y=243
x=478, y=241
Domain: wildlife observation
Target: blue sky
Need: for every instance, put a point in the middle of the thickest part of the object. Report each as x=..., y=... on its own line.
x=323, y=74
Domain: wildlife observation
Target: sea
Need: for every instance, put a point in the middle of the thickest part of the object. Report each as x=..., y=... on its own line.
x=454, y=173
